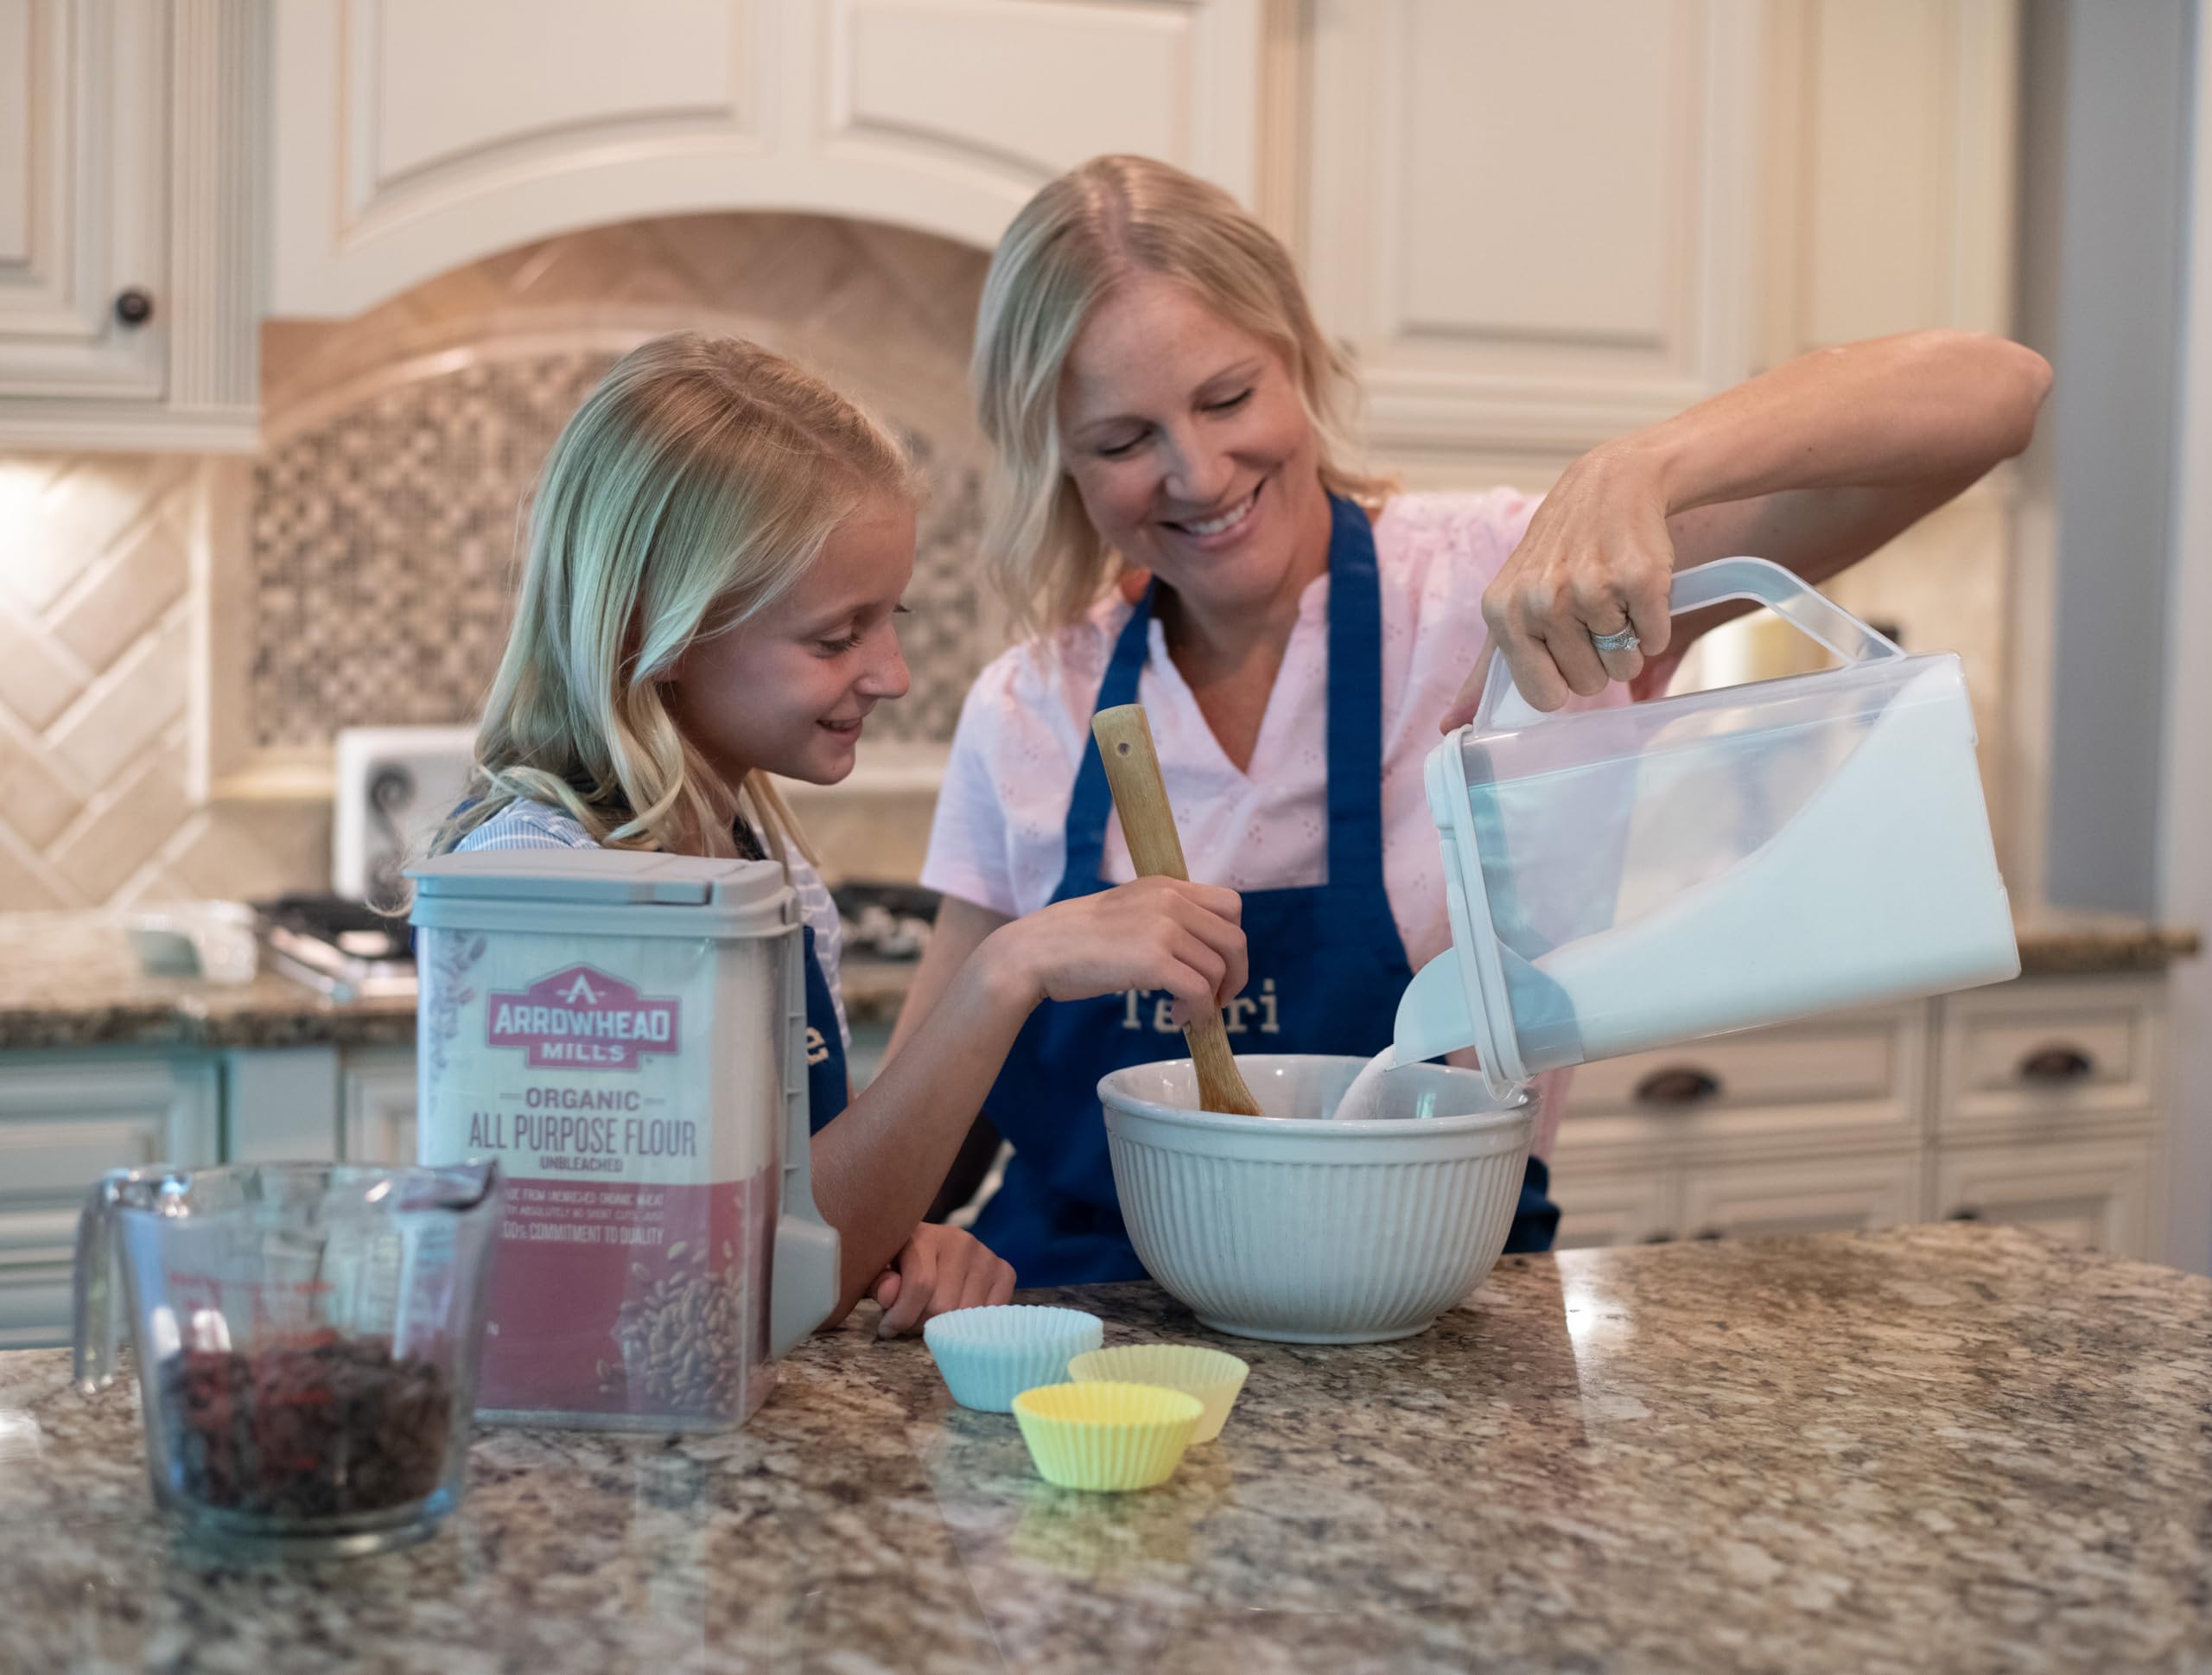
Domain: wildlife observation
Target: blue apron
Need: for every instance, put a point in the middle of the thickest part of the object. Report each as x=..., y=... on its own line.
x=828, y=1089
x=826, y=1086
x=1328, y=968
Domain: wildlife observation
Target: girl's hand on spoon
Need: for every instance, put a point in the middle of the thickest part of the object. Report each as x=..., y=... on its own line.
x=1125, y=749
x=1148, y=934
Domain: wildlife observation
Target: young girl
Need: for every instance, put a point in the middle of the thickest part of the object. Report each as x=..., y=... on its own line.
x=717, y=547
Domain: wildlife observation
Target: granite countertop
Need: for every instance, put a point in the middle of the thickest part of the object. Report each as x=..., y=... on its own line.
x=1946, y=1447
x=70, y=979
x=2090, y=944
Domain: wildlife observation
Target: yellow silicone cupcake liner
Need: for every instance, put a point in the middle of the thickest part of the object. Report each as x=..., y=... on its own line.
x=1212, y=1375
x=1106, y=1435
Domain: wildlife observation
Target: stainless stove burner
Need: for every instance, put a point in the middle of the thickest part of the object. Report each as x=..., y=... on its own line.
x=338, y=948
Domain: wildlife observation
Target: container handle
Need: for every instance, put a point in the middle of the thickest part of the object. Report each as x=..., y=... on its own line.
x=803, y=1273
x=1763, y=582
x=97, y=1313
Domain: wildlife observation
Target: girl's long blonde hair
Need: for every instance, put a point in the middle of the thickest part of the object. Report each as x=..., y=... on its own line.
x=1059, y=259
x=690, y=490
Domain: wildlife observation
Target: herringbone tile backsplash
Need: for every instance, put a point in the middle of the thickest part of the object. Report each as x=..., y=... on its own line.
x=97, y=633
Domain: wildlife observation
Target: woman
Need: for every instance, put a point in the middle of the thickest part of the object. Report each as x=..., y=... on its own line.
x=1167, y=416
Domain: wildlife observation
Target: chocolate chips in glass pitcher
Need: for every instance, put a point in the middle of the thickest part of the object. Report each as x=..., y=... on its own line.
x=317, y=1428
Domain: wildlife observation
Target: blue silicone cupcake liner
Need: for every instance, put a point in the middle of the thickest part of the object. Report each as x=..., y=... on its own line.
x=989, y=1356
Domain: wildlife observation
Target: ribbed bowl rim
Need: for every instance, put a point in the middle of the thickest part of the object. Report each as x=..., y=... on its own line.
x=1115, y=1101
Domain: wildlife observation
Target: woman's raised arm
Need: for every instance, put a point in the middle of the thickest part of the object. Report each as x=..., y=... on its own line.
x=1813, y=465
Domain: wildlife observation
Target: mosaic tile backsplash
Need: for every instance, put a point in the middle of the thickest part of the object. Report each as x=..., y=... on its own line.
x=386, y=542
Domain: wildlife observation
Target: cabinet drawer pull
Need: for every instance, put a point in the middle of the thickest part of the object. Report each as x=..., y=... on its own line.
x=1657, y=1238
x=133, y=307
x=1676, y=1086
x=1709, y=1235
x=1965, y=1214
x=2054, y=1066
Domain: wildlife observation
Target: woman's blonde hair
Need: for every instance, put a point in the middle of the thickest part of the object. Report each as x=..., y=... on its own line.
x=690, y=490
x=1061, y=258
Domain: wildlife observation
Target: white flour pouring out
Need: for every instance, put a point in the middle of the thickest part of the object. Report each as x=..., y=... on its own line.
x=1363, y=1100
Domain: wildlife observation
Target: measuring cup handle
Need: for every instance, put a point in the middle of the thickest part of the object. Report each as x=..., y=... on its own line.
x=1763, y=582
x=97, y=1313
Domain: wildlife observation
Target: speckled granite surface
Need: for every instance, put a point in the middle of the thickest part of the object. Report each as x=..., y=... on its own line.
x=71, y=980
x=1955, y=1449
x=2087, y=945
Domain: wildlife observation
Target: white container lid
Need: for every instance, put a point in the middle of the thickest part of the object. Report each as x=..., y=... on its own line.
x=628, y=892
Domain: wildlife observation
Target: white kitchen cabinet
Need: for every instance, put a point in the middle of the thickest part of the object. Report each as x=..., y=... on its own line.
x=1540, y=226
x=129, y=263
x=1707, y=1199
x=377, y=1106
x=66, y=1120
x=1533, y=223
x=2037, y=1102
x=1888, y=168
x=2033, y=1059
x=2093, y=1193
x=82, y=95
x=1842, y=1195
x=1834, y=1084
x=1637, y=1207
x=412, y=138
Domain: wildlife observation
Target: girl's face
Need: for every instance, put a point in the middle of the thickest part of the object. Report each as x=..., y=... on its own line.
x=787, y=690
x=1187, y=439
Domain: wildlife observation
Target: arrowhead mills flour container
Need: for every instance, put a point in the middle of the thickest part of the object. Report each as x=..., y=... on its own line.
x=626, y=1034
x=1625, y=879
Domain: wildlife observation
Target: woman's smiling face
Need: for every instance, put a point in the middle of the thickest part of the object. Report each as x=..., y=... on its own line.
x=1185, y=437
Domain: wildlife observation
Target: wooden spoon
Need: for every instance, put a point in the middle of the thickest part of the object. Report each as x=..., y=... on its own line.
x=1133, y=771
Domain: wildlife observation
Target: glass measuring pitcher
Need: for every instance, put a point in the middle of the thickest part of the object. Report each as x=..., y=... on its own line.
x=306, y=1337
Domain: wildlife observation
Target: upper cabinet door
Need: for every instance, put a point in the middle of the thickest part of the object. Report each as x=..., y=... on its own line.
x=1541, y=224
x=129, y=223
x=1889, y=168
x=413, y=136
x=83, y=126
x=1534, y=222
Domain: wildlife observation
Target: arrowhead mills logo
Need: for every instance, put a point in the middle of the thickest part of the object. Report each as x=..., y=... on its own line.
x=582, y=1019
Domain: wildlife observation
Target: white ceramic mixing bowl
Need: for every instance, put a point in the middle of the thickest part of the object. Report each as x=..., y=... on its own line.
x=1295, y=1228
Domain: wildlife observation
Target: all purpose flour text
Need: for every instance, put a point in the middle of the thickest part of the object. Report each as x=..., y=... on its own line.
x=565, y=1132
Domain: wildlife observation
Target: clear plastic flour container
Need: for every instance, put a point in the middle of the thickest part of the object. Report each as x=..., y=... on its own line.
x=1630, y=878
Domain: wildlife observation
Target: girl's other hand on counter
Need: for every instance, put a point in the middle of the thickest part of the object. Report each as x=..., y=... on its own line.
x=938, y=1269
